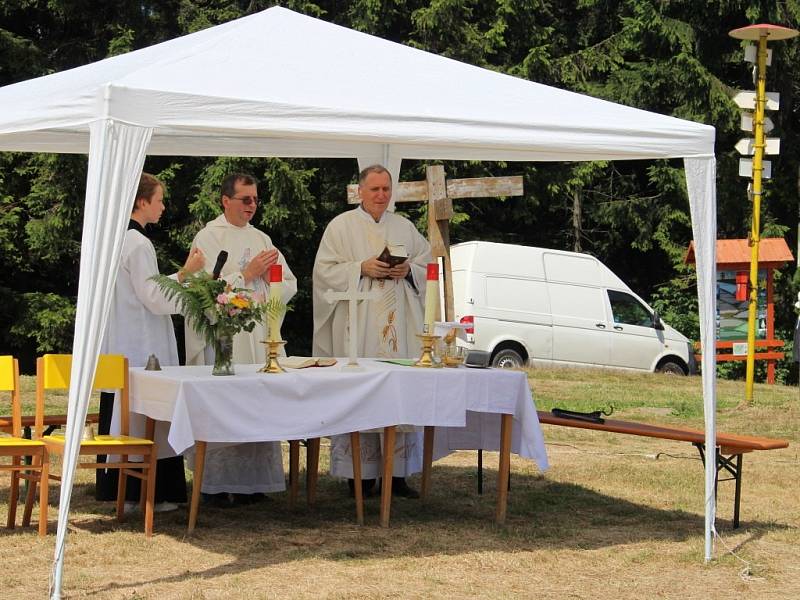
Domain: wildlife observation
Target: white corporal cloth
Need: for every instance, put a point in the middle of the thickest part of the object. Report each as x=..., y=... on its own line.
x=317, y=402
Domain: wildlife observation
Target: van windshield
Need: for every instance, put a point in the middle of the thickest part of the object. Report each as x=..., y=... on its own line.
x=627, y=310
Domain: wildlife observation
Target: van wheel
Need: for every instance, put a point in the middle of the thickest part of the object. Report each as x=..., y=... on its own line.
x=508, y=359
x=671, y=368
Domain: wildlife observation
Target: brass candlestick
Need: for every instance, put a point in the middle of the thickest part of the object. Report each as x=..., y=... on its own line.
x=272, y=365
x=426, y=359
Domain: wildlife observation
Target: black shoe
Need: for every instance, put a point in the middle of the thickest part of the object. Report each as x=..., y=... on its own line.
x=245, y=499
x=367, y=487
x=242, y=499
x=221, y=500
x=401, y=488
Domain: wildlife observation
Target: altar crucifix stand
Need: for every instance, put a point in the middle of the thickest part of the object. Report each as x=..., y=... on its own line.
x=353, y=296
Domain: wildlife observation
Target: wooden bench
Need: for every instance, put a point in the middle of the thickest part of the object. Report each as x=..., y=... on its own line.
x=729, y=448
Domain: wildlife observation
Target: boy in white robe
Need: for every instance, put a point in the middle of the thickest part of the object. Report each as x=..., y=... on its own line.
x=251, y=468
x=139, y=325
x=387, y=327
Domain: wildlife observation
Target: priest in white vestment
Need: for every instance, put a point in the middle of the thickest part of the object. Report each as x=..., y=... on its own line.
x=387, y=327
x=257, y=467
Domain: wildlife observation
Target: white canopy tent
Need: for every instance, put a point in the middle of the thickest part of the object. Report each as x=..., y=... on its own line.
x=281, y=84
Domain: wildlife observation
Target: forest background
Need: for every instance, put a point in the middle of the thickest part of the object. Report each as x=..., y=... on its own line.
x=672, y=57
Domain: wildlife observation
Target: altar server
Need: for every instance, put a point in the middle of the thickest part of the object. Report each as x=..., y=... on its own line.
x=139, y=325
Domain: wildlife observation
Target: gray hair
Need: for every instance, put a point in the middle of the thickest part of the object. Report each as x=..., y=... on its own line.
x=362, y=176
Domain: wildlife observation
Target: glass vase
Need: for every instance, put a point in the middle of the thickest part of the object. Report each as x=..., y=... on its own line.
x=223, y=355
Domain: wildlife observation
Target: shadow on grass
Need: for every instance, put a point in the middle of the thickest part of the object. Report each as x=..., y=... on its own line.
x=542, y=514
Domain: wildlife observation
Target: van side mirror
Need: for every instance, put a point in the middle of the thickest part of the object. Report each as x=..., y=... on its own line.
x=657, y=324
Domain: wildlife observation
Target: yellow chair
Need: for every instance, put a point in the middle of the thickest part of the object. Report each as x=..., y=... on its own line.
x=53, y=372
x=17, y=447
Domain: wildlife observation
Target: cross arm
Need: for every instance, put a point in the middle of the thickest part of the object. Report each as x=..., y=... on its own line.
x=477, y=187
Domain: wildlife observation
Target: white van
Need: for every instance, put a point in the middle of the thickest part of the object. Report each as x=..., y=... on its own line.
x=529, y=305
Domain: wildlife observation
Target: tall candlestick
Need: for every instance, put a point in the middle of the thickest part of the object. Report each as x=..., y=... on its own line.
x=275, y=282
x=431, y=297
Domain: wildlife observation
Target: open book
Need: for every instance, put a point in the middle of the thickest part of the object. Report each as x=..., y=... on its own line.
x=394, y=254
x=301, y=362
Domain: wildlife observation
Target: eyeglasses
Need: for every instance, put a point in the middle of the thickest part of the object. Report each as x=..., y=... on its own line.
x=246, y=200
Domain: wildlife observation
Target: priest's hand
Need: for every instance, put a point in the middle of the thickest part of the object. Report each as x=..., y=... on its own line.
x=195, y=261
x=377, y=269
x=259, y=265
x=400, y=271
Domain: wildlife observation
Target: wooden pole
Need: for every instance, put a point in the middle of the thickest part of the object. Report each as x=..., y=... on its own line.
x=440, y=211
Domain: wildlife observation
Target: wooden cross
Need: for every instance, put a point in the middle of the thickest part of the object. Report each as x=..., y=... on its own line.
x=439, y=194
x=352, y=295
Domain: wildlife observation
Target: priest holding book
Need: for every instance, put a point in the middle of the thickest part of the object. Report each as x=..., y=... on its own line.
x=389, y=255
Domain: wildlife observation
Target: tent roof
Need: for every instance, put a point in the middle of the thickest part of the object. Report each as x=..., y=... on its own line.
x=278, y=83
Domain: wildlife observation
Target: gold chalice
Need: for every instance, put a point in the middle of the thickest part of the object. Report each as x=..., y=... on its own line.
x=454, y=356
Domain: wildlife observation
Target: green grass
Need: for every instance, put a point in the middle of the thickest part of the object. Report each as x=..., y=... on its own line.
x=668, y=399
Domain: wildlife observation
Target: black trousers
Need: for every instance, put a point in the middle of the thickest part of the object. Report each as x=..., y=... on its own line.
x=170, y=476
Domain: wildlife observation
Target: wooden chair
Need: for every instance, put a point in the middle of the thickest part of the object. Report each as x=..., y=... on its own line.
x=17, y=447
x=53, y=372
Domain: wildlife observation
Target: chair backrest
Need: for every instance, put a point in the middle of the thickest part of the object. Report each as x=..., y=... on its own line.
x=9, y=382
x=53, y=373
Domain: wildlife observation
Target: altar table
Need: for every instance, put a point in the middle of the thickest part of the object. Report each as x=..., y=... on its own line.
x=488, y=409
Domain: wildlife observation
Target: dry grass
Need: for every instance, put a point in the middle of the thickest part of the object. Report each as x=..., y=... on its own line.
x=609, y=520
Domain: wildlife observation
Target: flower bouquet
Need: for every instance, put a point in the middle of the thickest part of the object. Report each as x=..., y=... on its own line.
x=217, y=312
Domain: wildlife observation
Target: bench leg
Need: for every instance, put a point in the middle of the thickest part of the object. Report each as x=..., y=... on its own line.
x=733, y=465
x=738, y=494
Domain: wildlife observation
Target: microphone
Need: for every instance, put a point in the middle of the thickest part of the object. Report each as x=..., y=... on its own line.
x=221, y=258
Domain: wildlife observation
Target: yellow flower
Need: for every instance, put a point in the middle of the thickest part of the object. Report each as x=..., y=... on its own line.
x=240, y=302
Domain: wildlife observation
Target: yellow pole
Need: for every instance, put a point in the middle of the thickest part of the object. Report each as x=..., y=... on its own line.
x=755, y=232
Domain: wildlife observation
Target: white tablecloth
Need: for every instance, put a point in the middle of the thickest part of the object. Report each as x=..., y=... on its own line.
x=465, y=404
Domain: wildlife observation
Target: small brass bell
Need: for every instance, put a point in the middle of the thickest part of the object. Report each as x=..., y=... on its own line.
x=88, y=433
x=152, y=363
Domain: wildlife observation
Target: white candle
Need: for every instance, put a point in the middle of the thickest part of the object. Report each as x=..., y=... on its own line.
x=275, y=282
x=431, y=297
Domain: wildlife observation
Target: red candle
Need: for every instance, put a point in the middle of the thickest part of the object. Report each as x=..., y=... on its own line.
x=275, y=282
x=431, y=297
x=433, y=272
